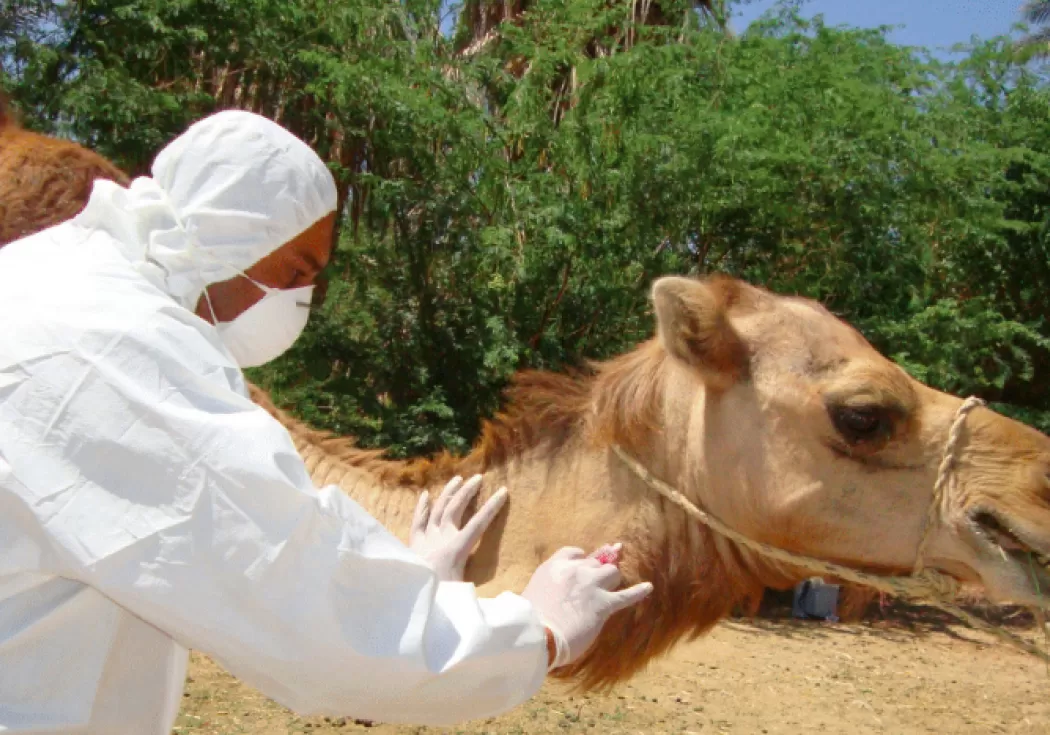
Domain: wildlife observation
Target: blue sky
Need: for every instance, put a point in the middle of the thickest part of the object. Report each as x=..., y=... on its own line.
x=936, y=24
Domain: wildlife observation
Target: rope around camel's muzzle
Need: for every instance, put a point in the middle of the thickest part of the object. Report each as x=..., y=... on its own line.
x=923, y=584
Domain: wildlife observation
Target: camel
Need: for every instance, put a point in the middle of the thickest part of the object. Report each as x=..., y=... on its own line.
x=43, y=180
x=766, y=411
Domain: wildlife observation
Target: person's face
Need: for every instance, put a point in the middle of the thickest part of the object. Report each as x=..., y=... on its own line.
x=293, y=265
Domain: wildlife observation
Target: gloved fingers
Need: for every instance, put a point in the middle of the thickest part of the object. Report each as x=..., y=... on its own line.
x=419, y=518
x=476, y=526
x=608, y=553
x=458, y=503
x=628, y=597
x=567, y=553
x=438, y=512
x=607, y=576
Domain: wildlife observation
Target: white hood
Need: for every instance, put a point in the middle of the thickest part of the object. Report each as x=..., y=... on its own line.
x=223, y=195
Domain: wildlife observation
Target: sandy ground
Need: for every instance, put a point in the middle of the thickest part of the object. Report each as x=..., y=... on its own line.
x=913, y=673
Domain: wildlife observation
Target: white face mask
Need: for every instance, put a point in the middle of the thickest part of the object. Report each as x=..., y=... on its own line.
x=269, y=328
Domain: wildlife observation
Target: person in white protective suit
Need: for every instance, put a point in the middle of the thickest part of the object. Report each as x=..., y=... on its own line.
x=147, y=506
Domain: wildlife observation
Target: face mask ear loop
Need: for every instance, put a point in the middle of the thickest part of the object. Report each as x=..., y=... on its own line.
x=211, y=309
x=236, y=274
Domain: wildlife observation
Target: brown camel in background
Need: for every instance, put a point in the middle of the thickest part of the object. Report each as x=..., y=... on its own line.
x=43, y=180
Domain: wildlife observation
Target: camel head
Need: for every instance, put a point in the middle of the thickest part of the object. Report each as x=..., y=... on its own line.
x=794, y=430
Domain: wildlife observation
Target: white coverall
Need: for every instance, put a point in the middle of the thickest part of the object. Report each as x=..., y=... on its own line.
x=147, y=506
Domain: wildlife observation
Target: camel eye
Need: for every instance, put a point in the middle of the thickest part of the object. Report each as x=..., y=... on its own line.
x=858, y=424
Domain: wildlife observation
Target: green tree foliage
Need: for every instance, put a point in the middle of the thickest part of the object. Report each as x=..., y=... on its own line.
x=510, y=208
x=1037, y=43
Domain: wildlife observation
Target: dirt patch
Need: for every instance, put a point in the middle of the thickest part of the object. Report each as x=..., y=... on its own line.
x=912, y=672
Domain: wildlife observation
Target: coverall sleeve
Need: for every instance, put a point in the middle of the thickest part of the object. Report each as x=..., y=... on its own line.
x=188, y=505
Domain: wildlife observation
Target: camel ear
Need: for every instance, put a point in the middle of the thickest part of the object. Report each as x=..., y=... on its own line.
x=693, y=326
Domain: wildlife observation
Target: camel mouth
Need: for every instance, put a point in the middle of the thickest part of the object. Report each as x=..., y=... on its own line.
x=1005, y=543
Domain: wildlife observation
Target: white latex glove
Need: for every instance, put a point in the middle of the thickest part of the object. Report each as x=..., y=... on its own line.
x=436, y=535
x=574, y=596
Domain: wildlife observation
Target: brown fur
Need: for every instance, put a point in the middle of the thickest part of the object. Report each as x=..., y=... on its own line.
x=43, y=180
x=855, y=601
x=542, y=409
x=698, y=579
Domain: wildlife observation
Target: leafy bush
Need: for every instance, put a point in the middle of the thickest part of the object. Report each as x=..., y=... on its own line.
x=511, y=208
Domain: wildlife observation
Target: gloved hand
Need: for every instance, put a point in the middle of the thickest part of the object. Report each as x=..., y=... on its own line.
x=436, y=535
x=573, y=595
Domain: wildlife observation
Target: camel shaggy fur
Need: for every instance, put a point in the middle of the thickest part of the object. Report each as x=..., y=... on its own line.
x=43, y=180
x=765, y=410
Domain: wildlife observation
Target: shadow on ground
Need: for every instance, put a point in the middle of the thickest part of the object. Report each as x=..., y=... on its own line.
x=890, y=618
